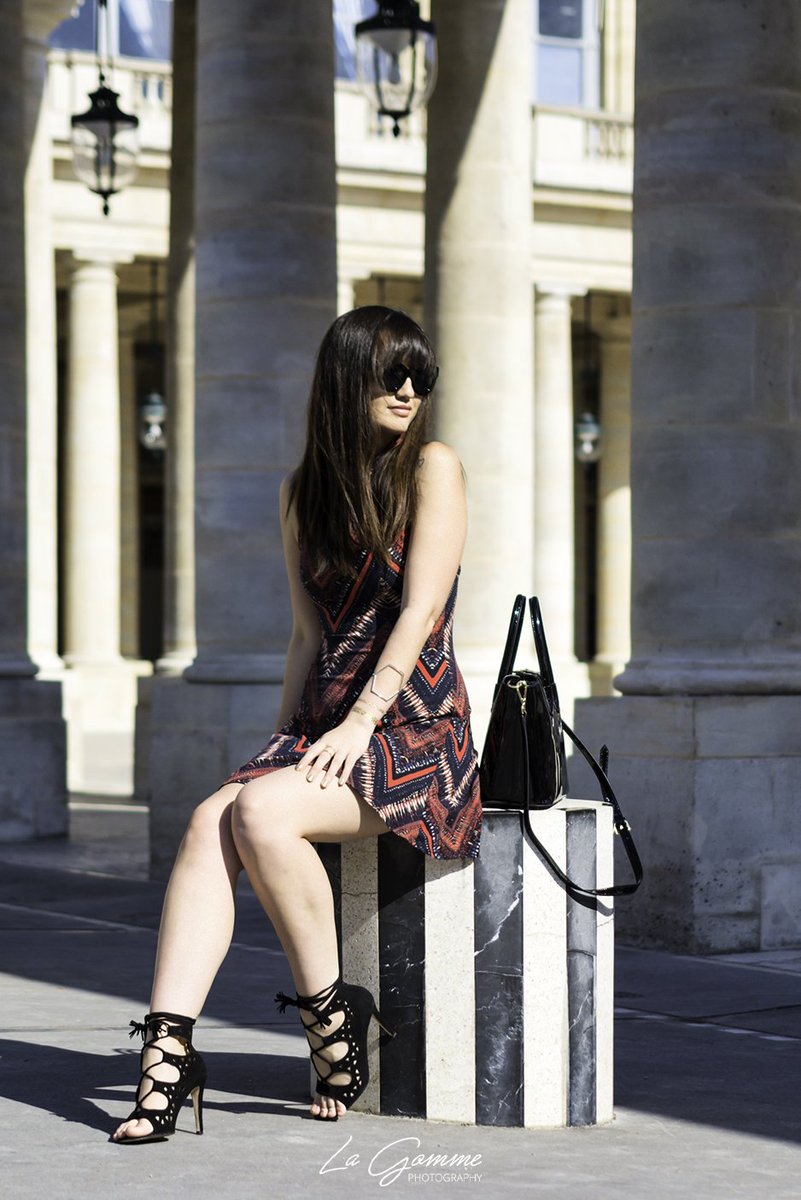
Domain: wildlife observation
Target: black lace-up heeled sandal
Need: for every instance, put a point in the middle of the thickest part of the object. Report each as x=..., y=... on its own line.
x=191, y=1076
x=354, y=1006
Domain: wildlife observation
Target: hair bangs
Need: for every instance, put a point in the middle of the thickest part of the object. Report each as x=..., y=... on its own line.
x=400, y=339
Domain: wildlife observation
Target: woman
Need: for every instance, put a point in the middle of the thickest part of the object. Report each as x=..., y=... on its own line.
x=373, y=731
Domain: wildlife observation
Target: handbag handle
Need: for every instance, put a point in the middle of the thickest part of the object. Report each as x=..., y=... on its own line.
x=512, y=641
x=540, y=644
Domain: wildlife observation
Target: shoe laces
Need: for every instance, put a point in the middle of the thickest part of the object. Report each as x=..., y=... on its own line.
x=311, y=1003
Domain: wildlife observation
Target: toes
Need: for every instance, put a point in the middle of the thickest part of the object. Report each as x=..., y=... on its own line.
x=327, y=1108
x=131, y=1130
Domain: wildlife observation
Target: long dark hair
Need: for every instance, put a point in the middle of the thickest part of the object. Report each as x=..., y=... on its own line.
x=346, y=488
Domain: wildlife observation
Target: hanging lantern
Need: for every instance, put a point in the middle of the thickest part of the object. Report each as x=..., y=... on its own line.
x=152, y=417
x=105, y=145
x=588, y=438
x=105, y=140
x=396, y=59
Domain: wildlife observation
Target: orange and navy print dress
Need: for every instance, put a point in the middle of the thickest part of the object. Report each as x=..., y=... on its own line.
x=420, y=770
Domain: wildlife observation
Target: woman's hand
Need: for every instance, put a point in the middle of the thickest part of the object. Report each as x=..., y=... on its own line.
x=335, y=754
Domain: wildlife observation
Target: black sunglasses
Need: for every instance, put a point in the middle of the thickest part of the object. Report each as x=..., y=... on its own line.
x=397, y=373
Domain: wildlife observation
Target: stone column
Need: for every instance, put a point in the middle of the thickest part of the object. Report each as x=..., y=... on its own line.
x=266, y=292
x=32, y=739
x=706, y=736
x=478, y=309
x=447, y=947
x=100, y=693
x=40, y=285
x=554, y=493
x=614, y=504
x=554, y=522
x=618, y=55
x=346, y=293
x=129, y=500
x=92, y=532
x=179, y=574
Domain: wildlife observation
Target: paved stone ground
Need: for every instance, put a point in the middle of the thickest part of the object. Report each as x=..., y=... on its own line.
x=708, y=1063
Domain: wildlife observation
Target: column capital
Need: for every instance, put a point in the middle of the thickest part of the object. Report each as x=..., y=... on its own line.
x=100, y=256
x=557, y=292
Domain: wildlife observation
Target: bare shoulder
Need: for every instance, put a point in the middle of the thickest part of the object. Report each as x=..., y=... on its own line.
x=440, y=461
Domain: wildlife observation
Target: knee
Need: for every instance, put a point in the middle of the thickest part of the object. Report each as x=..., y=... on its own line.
x=209, y=826
x=253, y=814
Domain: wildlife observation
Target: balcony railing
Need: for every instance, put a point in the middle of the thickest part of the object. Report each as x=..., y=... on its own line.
x=571, y=148
x=575, y=148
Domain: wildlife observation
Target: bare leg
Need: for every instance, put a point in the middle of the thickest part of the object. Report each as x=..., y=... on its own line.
x=197, y=922
x=275, y=819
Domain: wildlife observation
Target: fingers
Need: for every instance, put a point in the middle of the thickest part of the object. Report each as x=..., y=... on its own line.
x=330, y=772
x=328, y=763
x=348, y=763
x=313, y=760
x=321, y=760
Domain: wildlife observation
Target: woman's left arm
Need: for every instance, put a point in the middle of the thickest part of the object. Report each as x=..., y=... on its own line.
x=432, y=560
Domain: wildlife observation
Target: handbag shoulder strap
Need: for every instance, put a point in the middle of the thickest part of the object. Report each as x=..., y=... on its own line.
x=512, y=640
x=621, y=825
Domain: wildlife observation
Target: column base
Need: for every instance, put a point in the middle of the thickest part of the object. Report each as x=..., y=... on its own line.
x=573, y=683
x=710, y=786
x=175, y=663
x=99, y=707
x=602, y=673
x=694, y=677
x=33, y=750
x=189, y=737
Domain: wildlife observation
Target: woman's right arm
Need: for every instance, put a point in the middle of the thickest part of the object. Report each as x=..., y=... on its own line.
x=306, y=632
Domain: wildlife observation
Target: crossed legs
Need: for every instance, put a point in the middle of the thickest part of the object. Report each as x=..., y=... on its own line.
x=266, y=826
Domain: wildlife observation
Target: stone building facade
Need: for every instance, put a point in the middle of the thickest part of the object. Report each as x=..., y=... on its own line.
x=269, y=198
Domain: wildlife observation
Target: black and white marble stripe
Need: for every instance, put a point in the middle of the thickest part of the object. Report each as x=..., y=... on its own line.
x=500, y=986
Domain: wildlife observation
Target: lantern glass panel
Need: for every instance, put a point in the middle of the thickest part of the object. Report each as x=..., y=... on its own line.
x=104, y=156
x=397, y=72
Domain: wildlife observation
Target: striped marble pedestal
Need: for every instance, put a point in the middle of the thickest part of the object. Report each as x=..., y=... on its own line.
x=499, y=986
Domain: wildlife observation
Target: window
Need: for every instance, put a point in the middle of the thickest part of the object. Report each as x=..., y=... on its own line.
x=137, y=28
x=347, y=14
x=78, y=31
x=145, y=28
x=566, y=53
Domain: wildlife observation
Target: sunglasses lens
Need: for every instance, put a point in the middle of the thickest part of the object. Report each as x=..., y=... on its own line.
x=423, y=384
x=396, y=375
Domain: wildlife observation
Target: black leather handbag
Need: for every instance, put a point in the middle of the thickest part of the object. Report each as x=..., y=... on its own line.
x=523, y=763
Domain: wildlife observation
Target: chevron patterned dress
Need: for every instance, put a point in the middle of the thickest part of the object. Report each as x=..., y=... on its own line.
x=420, y=770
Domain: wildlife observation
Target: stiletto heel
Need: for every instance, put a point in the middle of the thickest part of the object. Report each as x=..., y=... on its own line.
x=389, y=1032
x=356, y=1006
x=197, y=1105
x=191, y=1076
